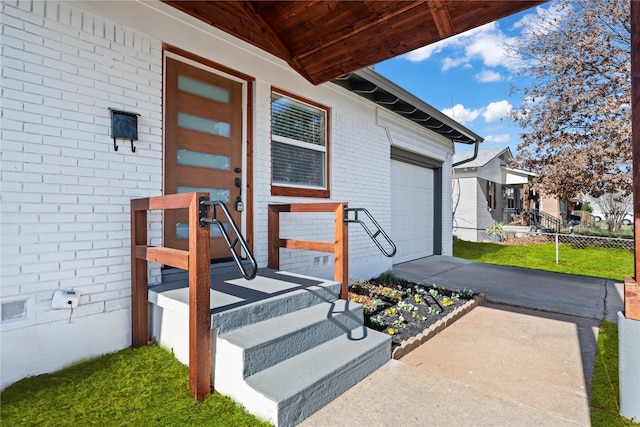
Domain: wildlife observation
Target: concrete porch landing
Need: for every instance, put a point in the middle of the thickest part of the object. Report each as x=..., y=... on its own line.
x=283, y=344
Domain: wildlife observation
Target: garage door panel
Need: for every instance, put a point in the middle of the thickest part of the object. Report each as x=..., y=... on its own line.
x=412, y=210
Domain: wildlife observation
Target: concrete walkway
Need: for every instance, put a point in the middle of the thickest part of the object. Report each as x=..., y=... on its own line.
x=523, y=359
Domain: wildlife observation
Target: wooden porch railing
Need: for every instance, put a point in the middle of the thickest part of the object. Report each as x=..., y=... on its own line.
x=339, y=247
x=196, y=261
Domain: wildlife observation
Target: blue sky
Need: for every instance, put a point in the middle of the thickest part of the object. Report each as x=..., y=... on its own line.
x=469, y=77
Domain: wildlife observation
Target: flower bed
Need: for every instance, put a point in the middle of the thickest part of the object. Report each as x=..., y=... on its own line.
x=404, y=309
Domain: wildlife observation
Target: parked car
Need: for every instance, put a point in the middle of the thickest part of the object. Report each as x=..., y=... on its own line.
x=627, y=220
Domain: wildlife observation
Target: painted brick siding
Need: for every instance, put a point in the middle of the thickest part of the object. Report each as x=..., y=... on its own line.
x=65, y=191
x=359, y=176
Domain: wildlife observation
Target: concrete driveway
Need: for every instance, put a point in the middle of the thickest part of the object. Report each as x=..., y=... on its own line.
x=523, y=359
x=521, y=287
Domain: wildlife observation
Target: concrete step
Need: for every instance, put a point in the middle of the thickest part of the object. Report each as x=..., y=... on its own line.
x=284, y=345
x=297, y=387
x=261, y=345
x=270, y=294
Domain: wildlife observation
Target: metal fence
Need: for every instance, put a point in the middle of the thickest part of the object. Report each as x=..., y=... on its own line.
x=531, y=237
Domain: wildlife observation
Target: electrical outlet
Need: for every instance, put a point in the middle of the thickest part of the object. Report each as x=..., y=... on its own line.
x=65, y=299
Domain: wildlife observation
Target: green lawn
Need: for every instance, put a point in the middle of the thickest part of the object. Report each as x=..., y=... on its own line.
x=149, y=387
x=605, y=404
x=133, y=387
x=612, y=264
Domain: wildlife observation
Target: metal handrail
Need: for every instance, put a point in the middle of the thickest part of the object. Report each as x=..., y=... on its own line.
x=540, y=218
x=227, y=239
x=372, y=235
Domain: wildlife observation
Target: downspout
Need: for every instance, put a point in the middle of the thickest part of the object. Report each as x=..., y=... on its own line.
x=475, y=154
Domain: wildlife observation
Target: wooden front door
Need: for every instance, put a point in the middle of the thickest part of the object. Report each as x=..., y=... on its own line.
x=203, y=152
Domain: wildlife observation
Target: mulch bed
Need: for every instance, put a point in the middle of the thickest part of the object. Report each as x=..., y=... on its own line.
x=406, y=310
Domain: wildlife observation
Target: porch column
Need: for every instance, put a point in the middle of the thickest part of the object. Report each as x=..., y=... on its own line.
x=629, y=321
x=632, y=288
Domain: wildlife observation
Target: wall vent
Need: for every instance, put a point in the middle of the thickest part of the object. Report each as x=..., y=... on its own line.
x=14, y=310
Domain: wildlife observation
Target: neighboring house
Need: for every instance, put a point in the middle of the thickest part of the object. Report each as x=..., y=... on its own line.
x=558, y=208
x=486, y=190
x=211, y=110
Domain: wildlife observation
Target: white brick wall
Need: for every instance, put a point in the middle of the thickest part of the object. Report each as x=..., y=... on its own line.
x=360, y=173
x=65, y=191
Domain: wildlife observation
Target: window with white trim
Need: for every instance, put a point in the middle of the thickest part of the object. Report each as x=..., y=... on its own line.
x=299, y=147
x=491, y=195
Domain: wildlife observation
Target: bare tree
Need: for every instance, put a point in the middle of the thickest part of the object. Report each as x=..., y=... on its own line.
x=576, y=113
x=615, y=207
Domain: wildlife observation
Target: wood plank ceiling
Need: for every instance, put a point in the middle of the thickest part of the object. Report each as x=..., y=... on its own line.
x=323, y=40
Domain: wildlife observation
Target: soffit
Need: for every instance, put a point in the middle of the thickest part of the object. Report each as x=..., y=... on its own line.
x=324, y=40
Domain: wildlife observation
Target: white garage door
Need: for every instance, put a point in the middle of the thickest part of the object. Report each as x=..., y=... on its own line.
x=412, y=211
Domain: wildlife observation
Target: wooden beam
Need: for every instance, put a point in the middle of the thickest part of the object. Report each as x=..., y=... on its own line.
x=273, y=241
x=278, y=47
x=315, y=207
x=359, y=29
x=308, y=245
x=341, y=262
x=200, y=361
x=635, y=126
x=167, y=256
x=441, y=18
x=139, y=285
x=170, y=201
x=632, y=290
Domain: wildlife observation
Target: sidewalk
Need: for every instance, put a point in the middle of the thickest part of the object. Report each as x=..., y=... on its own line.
x=500, y=365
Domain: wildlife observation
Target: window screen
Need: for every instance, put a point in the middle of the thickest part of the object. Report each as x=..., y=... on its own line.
x=299, y=143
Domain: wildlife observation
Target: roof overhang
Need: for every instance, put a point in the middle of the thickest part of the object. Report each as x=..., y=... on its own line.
x=323, y=40
x=521, y=172
x=377, y=89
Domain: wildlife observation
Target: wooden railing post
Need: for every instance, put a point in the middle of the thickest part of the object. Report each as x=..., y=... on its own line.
x=273, y=223
x=339, y=247
x=199, y=303
x=139, y=285
x=196, y=261
x=341, y=252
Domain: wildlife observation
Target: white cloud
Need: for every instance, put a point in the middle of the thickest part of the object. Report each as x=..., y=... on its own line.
x=486, y=76
x=490, y=46
x=461, y=114
x=496, y=111
x=454, y=62
x=542, y=21
x=425, y=52
x=498, y=138
x=486, y=43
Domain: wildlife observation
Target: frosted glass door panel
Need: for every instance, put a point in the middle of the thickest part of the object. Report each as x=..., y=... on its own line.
x=199, y=88
x=182, y=230
x=200, y=124
x=214, y=193
x=203, y=160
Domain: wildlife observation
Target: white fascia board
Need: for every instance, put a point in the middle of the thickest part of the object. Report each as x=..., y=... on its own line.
x=391, y=87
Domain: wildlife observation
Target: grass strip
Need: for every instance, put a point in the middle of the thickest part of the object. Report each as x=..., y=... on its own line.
x=146, y=386
x=605, y=404
x=606, y=263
